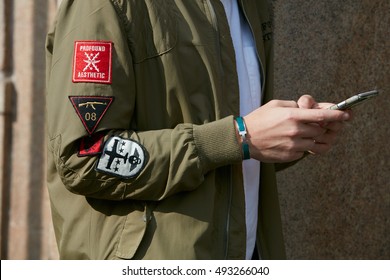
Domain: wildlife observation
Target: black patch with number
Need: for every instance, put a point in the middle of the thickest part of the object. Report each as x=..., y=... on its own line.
x=91, y=109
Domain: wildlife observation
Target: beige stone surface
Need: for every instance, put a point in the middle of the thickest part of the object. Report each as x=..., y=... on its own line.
x=337, y=206
x=26, y=226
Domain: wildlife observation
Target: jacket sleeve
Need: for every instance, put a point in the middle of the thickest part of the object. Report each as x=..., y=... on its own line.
x=160, y=163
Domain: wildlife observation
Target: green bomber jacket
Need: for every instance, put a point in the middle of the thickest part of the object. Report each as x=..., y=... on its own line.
x=143, y=159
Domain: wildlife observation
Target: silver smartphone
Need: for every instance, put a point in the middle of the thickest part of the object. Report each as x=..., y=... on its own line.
x=354, y=100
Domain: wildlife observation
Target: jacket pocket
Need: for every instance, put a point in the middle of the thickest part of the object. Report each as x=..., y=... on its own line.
x=153, y=29
x=133, y=231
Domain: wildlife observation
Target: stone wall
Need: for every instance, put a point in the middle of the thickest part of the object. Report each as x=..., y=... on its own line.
x=334, y=207
x=337, y=206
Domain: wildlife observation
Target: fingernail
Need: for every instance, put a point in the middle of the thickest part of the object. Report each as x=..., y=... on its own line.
x=346, y=116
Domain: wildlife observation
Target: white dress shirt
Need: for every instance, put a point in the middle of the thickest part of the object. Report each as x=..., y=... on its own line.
x=249, y=79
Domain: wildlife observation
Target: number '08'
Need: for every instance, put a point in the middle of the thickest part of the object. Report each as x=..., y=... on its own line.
x=90, y=116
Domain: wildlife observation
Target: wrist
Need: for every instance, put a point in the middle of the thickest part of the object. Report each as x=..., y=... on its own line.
x=242, y=137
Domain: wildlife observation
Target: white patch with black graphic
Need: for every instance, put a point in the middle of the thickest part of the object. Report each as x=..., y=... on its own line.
x=122, y=157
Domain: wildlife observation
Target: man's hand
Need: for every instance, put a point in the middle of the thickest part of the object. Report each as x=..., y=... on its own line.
x=324, y=142
x=281, y=131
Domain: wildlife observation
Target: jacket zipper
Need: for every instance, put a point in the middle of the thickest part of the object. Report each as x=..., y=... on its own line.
x=257, y=52
x=214, y=22
x=230, y=198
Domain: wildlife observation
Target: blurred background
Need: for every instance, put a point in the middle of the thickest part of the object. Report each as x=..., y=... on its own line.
x=335, y=206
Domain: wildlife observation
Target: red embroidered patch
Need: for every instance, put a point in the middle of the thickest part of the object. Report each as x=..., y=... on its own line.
x=91, y=109
x=91, y=145
x=92, y=62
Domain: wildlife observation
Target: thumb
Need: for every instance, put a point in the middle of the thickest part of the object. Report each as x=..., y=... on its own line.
x=307, y=102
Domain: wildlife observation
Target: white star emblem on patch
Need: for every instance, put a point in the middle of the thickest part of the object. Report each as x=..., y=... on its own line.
x=91, y=62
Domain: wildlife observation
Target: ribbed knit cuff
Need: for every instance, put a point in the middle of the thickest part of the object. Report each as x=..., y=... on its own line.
x=217, y=143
